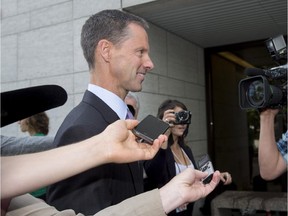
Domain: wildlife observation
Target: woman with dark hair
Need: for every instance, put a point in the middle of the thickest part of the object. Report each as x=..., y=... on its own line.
x=174, y=156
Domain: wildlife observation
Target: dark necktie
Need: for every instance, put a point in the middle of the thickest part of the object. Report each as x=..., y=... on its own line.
x=129, y=115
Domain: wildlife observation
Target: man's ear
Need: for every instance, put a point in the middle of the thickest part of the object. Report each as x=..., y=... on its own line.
x=104, y=47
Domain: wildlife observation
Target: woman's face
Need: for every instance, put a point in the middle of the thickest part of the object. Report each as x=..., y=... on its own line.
x=178, y=130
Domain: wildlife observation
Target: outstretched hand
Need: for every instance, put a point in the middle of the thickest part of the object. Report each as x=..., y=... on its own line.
x=122, y=146
x=226, y=178
x=187, y=187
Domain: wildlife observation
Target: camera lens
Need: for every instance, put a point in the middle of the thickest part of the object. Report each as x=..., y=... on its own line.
x=183, y=116
x=255, y=93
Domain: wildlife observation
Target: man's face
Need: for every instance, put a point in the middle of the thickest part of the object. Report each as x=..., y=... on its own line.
x=130, y=61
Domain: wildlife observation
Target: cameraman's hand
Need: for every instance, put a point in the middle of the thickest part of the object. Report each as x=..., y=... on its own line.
x=269, y=113
x=186, y=187
x=169, y=117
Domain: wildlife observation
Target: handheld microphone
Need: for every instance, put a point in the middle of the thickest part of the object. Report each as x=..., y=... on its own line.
x=23, y=103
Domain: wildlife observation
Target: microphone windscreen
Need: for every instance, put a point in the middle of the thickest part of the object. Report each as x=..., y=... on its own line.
x=254, y=72
x=23, y=103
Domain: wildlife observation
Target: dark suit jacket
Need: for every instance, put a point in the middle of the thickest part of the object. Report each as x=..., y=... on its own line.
x=100, y=187
x=161, y=169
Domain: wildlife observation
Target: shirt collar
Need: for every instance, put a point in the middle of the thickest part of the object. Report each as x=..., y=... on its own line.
x=111, y=99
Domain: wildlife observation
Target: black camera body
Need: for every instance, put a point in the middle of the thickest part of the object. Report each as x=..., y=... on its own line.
x=266, y=88
x=183, y=117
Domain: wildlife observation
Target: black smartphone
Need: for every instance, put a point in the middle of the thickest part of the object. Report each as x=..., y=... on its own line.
x=205, y=165
x=149, y=129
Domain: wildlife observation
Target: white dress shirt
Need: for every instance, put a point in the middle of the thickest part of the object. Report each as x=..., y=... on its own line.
x=111, y=99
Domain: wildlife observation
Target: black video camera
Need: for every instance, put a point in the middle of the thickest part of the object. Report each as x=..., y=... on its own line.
x=266, y=88
x=183, y=117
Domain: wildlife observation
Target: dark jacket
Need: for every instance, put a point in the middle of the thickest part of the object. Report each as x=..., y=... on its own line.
x=100, y=187
x=161, y=169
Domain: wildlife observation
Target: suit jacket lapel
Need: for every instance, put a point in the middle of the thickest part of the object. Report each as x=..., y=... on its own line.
x=108, y=114
x=136, y=168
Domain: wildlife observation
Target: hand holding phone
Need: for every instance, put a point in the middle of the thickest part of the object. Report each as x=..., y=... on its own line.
x=205, y=165
x=149, y=129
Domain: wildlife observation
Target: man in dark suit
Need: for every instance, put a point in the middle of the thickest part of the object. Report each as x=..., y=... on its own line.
x=115, y=45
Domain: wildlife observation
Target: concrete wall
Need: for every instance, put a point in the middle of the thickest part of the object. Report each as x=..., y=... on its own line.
x=40, y=44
